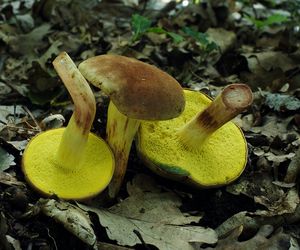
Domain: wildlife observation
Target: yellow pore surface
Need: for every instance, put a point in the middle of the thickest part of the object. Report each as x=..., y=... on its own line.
x=87, y=179
x=220, y=160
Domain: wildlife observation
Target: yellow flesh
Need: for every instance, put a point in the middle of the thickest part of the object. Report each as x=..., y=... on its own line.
x=220, y=160
x=86, y=180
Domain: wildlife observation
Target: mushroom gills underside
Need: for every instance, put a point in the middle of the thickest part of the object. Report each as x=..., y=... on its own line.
x=86, y=180
x=219, y=161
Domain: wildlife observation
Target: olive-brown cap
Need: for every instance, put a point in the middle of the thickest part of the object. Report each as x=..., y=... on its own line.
x=139, y=90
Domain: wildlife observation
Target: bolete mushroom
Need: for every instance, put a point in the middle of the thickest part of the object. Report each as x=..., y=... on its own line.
x=70, y=162
x=201, y=146
x=138, y=91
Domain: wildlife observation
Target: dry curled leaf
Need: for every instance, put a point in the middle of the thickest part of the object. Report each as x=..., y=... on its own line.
x=263, y=239
x=276, y=199
x=281, y=102
x=147, y=202
x=10, y=180
x=73, y=218
x=26, y=44
x=6, y=160
x=129, y=232
x=154, y=217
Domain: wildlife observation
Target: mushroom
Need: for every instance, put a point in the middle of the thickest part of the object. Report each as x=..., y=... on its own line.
x=201, y=146
x=70, y=162
x=138, y=91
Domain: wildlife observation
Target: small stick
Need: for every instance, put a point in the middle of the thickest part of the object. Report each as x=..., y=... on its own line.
x=32, y=117
x=138, y=234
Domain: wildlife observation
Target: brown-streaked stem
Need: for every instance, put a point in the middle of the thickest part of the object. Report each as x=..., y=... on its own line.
x=76, y=133
x=230, y=102
x=120, y=131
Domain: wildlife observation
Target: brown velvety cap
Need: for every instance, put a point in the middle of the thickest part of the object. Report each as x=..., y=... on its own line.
x=138, y=90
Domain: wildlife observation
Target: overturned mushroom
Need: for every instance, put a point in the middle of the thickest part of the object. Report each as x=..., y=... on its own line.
x=203, y=148
x=138, y=91
x=70, y=162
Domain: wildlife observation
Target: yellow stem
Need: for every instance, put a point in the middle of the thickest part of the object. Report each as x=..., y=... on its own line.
x=120, y=132
x=76, y=133
x=230, y=102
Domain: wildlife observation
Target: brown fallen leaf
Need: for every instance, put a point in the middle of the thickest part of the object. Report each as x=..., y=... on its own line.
x=147, y=202
x=3, y=230
x=26, y=44
x=9, y=180
x=223, y=38
x=152, y=216
x=74, y=219
x=293, y=168
x=273, y=126
x=264, y=239
x=6, y=160
x=261, y=188
x=129, y=232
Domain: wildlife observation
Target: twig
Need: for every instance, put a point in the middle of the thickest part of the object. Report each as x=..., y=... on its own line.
x=138, y=234
x=25, y=129
x=32, y=117
x=107, y=246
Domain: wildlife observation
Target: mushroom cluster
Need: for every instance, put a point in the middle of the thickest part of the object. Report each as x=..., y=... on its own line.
x=174, y=138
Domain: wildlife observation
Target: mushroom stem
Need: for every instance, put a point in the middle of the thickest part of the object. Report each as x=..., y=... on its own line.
x=120, y=131
x=75, y=136
x=230, y=102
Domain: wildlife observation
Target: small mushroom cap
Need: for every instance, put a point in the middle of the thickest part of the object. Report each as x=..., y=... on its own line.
x=84, y=181
x=220, y=160
x=138, y=90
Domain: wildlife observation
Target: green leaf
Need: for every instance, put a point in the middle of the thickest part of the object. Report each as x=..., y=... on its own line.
x=158, y=30
x=211, y=47
x=140, y=25
x=176, y=38
x=198, y=36
x=6, y=160
x=202, y=38
x=276, y=19
x=258, y=23
x=281, y=102
x=271, y=20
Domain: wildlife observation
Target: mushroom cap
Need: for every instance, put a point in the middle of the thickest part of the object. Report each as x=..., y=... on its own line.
x=220, y=160
x=84, y=181
x=139, y=90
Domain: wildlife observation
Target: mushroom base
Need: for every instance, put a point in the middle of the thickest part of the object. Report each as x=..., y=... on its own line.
x=47, y=176
x=219, y=160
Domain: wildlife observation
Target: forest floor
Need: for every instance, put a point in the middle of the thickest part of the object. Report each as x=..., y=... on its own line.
x=204, y=46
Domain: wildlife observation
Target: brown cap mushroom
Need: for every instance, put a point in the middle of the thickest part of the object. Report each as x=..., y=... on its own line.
x=138, y=91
